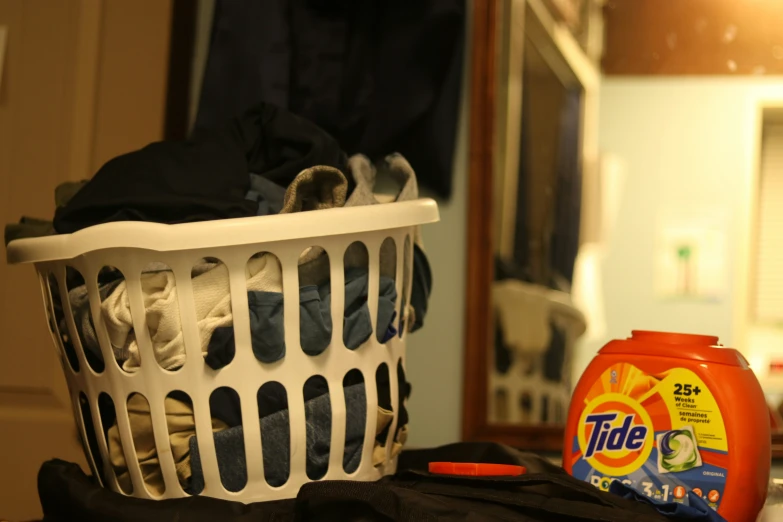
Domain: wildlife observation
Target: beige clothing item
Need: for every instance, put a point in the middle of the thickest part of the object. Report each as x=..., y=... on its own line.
x=379, y=451
x=394, y=168
x=181, y=427
x=385, y=418
x=314, y=188
x=211, y=298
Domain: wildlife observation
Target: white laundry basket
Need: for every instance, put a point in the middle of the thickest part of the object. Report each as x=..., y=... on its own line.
x=527, y=313
x=132, y=246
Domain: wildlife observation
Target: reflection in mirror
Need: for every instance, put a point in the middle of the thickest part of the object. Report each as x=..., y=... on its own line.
x=636, y=161
x=537, y=237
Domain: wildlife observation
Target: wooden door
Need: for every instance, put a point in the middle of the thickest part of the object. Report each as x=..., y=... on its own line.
x=83, y=81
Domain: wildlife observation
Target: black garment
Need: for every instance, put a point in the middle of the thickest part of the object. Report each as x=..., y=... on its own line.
x=381, y=77
x=503, y=356
x=568, y=189
x=545, y=493
x=204, y=178
x=382, y=380
x=554, y=357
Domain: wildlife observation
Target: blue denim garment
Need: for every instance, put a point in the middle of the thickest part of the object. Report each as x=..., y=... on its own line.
x=697, y=511
x=315, y=320
x=276, y=445
x=267, y=335
x=387, y=297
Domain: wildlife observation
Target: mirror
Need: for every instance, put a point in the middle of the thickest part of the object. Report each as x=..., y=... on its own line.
x=626, y=172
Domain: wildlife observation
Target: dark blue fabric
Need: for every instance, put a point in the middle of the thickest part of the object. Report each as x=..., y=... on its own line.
x=276, y=446
x=357, y=324
x=272, y=193
x=390, y=332
x=315, y=320
x=267, y=336
x=422, y=286
x=387, y=297
x=378, y=76
x=697, y=511
x=221, y=349
x=315, y=329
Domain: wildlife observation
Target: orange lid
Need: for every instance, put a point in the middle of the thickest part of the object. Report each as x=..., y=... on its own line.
x=475, y=469
x=704, y=348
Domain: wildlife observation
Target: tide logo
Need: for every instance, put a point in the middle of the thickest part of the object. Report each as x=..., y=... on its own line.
x=615, y=434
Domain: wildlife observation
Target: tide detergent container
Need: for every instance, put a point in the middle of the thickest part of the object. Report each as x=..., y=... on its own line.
x=668, y=414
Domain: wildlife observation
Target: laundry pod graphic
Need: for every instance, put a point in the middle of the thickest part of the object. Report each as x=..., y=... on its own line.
x=677, y=450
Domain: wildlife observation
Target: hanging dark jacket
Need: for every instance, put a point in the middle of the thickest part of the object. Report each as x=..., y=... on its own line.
x=380, y=77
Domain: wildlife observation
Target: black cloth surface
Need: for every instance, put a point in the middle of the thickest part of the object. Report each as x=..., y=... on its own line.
x=545, y=493
x=381, y=77
x=206, y=177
